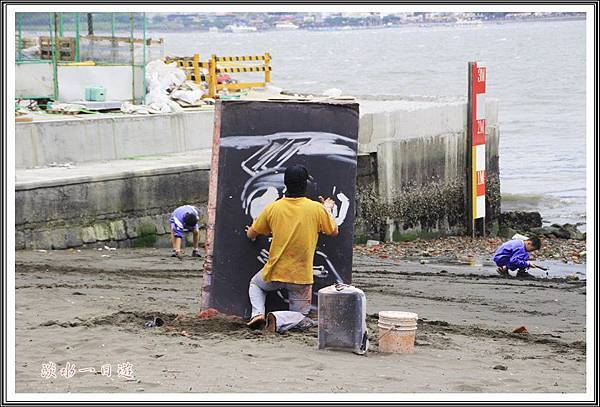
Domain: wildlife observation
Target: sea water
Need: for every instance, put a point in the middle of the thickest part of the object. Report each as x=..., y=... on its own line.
x=535, y=69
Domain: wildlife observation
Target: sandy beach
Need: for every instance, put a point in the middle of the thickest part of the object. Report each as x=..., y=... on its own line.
x=445, y=124
x=89, y=307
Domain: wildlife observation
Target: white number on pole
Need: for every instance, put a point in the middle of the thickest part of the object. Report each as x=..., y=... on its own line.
x=481, y=74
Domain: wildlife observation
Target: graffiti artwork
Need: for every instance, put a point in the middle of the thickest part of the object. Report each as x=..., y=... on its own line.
x=252, y=158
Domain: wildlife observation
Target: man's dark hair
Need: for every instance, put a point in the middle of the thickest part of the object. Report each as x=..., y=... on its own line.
x=295, y=179
x=190, y=220
x=536, y=242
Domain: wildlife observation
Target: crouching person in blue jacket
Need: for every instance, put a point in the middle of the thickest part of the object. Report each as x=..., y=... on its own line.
x=185, y=219
x=514, y=255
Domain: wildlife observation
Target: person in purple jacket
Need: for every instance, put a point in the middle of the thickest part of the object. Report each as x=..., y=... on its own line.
x=184, y=219
x=514, y=255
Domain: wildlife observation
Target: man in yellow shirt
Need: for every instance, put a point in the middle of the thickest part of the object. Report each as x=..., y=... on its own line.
x=295, y=223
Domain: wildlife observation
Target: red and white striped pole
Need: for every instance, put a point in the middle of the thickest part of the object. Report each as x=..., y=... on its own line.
x=476, y=139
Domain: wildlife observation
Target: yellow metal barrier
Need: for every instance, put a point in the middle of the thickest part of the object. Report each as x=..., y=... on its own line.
x=200, y=71
x=242, y=58
x=192, y=67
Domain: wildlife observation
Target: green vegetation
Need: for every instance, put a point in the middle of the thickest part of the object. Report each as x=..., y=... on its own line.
x=146, y=235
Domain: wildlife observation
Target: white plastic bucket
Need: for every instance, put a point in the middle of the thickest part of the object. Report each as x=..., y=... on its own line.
x=397, y=331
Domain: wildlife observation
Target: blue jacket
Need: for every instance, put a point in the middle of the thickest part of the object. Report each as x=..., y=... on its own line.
x=512, y=254
x=176, y=219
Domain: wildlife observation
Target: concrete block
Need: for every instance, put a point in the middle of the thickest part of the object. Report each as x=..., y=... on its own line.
x=203, y=218
x=381, y=127
x=365, y=128
x=163, y=241
x=166, y=222
x=69, y=140
x=117, y=80
x=88, y=235
x=49, y=239
x=202, y=124
x=22, y=239
x=97, y=139
x=146, y=226
x=158, y=136
x=73, y=237
x=417, y=120
x=42, y=240
x=33, y=80
x=58, y=239
x=102, y=231
x=29, y=242
x=131, y=226
x=117, y=230
x=160, y=225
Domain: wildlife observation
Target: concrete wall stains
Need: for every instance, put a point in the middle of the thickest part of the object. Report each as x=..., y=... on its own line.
x=119, y=211
x=410, y=174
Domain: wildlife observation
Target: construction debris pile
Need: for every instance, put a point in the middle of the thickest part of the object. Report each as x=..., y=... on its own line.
x=168, y=91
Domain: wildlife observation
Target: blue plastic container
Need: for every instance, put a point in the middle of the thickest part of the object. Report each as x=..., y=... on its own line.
x=95, y=93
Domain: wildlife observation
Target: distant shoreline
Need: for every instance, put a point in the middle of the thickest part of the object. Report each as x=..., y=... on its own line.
x=381, y=27
x=351, y=28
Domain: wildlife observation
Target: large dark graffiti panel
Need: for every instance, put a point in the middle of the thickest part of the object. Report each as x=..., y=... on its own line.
x=256, y=141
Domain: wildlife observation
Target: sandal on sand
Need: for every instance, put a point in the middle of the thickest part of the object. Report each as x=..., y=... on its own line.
x=257, y=322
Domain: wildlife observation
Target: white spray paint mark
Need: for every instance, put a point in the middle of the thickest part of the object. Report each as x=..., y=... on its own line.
x=283, y=146
x=258, y=204
x=343, y=211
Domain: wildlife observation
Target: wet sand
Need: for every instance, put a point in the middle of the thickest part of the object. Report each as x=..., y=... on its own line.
x=82, y=308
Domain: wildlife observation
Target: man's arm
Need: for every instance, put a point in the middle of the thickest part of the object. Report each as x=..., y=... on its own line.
x=251, y=233
x=328, y=204
x=260, y=226
x=335, y=232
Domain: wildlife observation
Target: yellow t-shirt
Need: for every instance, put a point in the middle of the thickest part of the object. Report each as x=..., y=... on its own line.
x=295, y=224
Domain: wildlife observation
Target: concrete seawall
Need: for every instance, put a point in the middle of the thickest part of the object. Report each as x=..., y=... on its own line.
x=110, y=138
x=417, y=159
x=120, y=203
x=130, y=172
